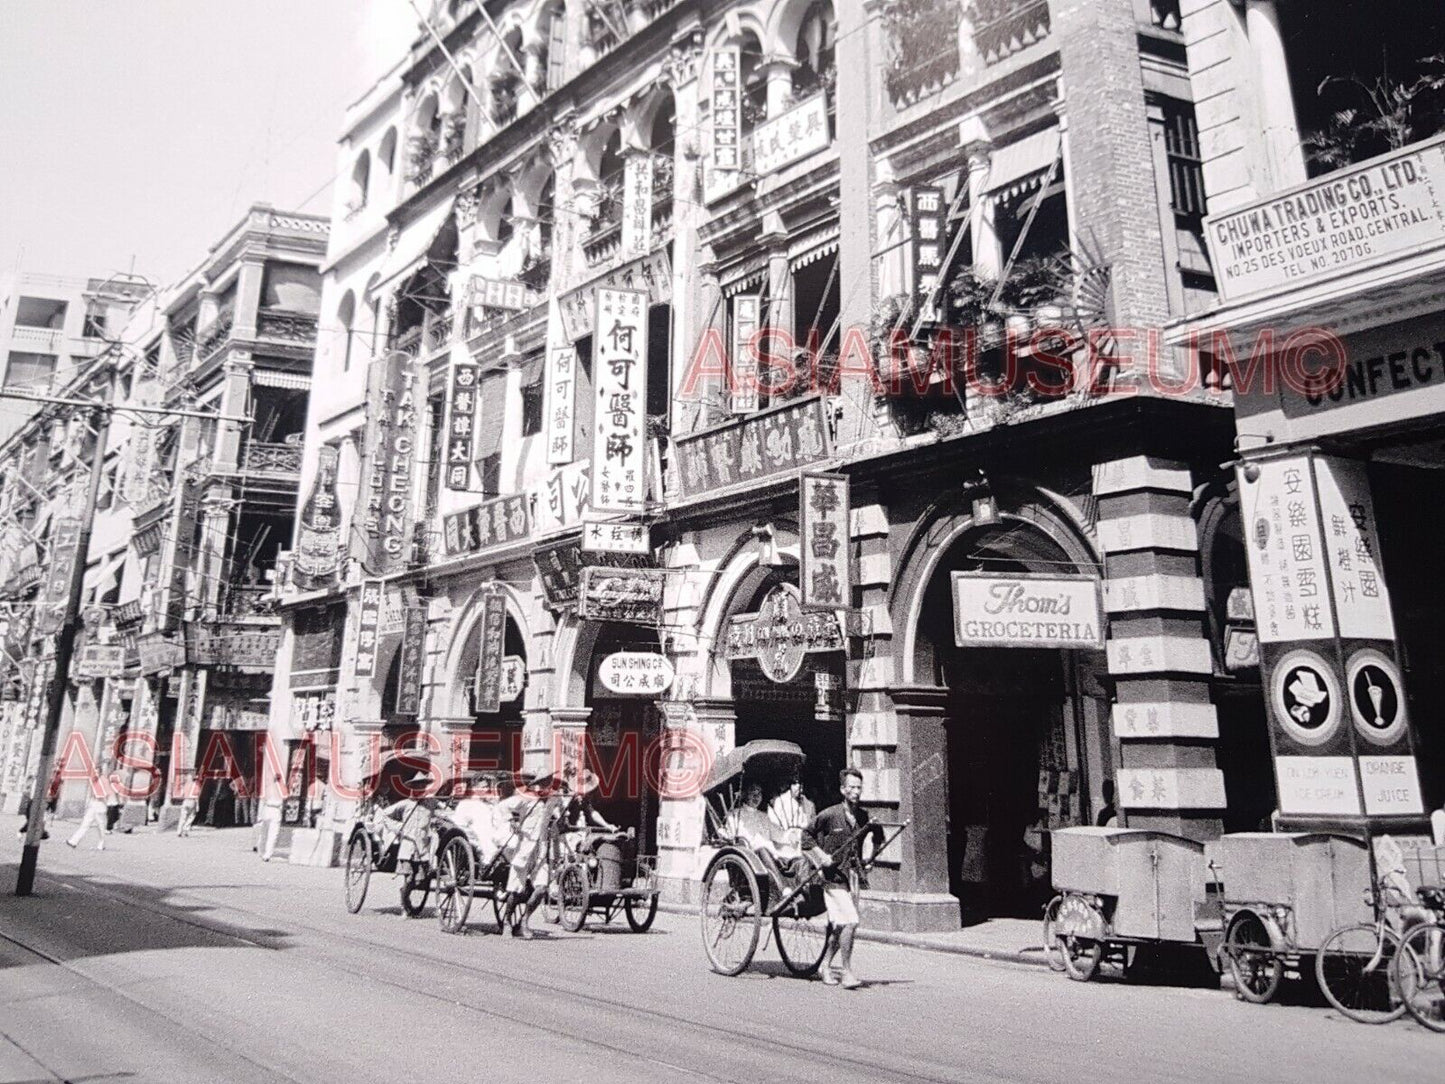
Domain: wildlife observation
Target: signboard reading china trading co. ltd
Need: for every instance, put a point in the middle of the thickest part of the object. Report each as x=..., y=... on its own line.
x=1026, y=610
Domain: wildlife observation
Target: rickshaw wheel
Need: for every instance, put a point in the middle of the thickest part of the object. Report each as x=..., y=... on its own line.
x=731, y=914
x=1254, y=966
x=456, y=873
x=1053, y=943
x=640, y=912
x=1081, y=957
x=1353, y=968
x=499, y=902
x=358, y=871
x=801, y=942
x=1418, y=971
x=573, y=895
x=415, y=888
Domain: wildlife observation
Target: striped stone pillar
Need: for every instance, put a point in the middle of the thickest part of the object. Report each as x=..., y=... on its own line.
x=1164, y=724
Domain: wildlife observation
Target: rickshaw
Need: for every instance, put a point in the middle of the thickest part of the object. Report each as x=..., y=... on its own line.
x=742, y=888
x=600, y=873
x=407, y=850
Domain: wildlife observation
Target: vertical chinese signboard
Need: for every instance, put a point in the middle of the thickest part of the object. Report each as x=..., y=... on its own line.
x=561, y=398
x=637, y=205
x=727, y=129
x=490, y=653
x=1334, y=693
x=928, y=212
x=825, y=566
x=140, y=452
x=387, y=513
x=413, y=655
x=318, y=541
x=619, y=446
x=747, y=318
x=368, y=627
x=64, y=547
x=461, y=422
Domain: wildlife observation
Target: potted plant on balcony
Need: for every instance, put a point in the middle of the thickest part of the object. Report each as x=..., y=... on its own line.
x=924, y=46
x=454, y=133
x=421, y=151
x=504, y=97
x=1397, y=115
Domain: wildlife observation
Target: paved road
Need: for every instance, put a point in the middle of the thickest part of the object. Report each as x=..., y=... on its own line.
x=163, y=959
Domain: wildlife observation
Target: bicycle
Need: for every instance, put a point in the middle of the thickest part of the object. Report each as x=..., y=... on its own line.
x=1419, y=966
x=1353, y=966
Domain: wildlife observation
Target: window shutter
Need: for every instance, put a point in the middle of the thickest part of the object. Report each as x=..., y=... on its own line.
x=557, y=52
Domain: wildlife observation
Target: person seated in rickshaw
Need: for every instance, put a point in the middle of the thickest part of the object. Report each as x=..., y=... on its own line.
x=752, y=828
x=408, y=819
x=579, y=813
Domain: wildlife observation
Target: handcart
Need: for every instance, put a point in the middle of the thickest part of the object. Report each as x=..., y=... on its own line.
x=601, y=873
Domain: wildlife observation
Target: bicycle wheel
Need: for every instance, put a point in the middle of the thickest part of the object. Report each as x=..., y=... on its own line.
x=1419, y=974
x=1253, y=964
x=1081, y=955
x=456, y=872
x=731, y=914
x=358, y=872
x=574, y=895
x=1053, y=943
x=1354, y=973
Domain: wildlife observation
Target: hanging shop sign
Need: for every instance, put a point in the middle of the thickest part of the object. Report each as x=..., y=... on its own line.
x=461, y=425
x=928, y=236
x=635, y=673
x=317, y=559
x=1347, y=515
x=387, y=516
x=234, y=717
x=368, y=627
x=1387, y=207
x=825, y=570
x=394, y=605
x=55, y=589
x=514, y=678
x=316, y=647
x=160, y=653
x=743, y=387
x=559, y=500
x=1026, y=610
x=251, y=647
x=141, y=446
x=170, y=603
x=490, y=525
x=99, y=661
x=413, y=657
x=491, y=654
x=559, y=413
x=725, y=93
x=509, y=294
x=559, y=569
x=619, y=444
x=1286, y=552
x=313, y=711
x=632, y=595
x=794, y=135
x=781, y=633
x=751, y=450
x=636, y=205
x=616, y=538
x=652, y=274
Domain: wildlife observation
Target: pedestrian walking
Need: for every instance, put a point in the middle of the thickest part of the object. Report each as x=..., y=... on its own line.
x=112, y=809
x=835, y=832
x=190, y=806
x=94, y=816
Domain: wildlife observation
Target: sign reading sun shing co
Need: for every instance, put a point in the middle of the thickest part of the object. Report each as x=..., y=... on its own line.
x=1025, y=610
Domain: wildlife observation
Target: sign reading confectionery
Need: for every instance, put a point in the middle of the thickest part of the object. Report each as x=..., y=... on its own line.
x=792, y=136
x=635, y=673
x=413, y=657
x=368, y=620
x=619, y=440
x=743, y=388
x=559, y=413
x=781, y=634
x=637, y=205
x=491, y=650
x=725, y=93
x=825, y=570
x=652, y=274
x=317, y=558
x=461, y=425
x=750, y=450
x=632, y=595
x=490, y=525
x=55, y=590
x=1026, y=610
x=387, y=513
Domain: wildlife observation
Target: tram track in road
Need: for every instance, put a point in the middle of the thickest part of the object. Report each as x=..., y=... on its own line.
x=469, y=971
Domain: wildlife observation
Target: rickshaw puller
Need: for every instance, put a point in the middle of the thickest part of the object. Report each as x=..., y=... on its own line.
x=833, y=831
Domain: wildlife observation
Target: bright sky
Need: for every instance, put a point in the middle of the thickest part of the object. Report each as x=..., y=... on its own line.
x=144, y=128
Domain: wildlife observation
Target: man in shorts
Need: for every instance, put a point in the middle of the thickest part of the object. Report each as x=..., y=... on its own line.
x=835, y=832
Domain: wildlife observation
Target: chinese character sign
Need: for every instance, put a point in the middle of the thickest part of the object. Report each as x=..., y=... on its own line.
x=561, y=401
x=318, y=540
x=928, y=212
x=388, y=510
x=750, y=450
x=490, y=653
x=619, y=446
x=747, y=318
x=498, y=522
x=726, y=90
x=825, y=567
x=55, y=593
x=368, y=622
x=1286, y=552
x=413, y=653
x=141, y=445
x=560, y=498
x=461, y=426
x=637, y=205
x=1352, y=550
x=801, y=131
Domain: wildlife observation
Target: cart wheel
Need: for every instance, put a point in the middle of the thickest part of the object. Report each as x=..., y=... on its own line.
x=499, y=901
x=358, y=871
x=641, y=910
x=801, y=942
x=1419, y=974
x=573, y=895
x=1253, y=964
x=1053, y=943
x=1354, y=973
x=415, y=888
x=732, y=915
x=456, y=874
x=1081, y=957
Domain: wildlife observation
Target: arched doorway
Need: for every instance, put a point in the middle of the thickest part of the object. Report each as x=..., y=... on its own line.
x=622, y=731
x=1025, y=727
x=495, y=740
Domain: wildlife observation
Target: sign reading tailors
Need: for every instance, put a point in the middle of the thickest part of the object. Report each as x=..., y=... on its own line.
x=561, y=398
x=635, y=673
x=825, y=568
x=413, y=656
x=619, y=444
x=633, y=595
x=1025, y=610
x=491, y=648
x=1390, y=206
x=387, y=508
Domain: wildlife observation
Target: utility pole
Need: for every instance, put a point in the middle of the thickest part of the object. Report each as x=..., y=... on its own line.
x=64, y=648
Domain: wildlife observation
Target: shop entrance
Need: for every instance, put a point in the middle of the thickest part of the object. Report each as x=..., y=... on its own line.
x=622, y=739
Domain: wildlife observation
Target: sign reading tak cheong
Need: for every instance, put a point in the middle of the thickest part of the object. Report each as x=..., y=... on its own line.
x=1026, y=611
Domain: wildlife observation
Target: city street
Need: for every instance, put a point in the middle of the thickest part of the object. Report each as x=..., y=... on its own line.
x=164, y=959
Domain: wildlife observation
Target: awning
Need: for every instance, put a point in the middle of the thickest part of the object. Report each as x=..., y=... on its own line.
x=267, y=378
x=531, y=369
x=1014, y=168
x=814, y=247
x=411, y=248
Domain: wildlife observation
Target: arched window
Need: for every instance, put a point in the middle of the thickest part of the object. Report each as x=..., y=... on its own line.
x=346, y=319
x=610, y=179
x=360, y=183
x=816, y=51
x=386, y=153
x=755, y=83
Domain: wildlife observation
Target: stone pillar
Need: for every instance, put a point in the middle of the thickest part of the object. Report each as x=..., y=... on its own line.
x=566, y=749
x=1164, y=724
x=1273, y=94
x=249, y=282
x=705, y=723
x=987, y=259
x=779, y=73
x=145, y=715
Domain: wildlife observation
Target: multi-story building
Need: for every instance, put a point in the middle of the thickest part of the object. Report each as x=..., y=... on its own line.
x=1322, y=147
x=1028, y=169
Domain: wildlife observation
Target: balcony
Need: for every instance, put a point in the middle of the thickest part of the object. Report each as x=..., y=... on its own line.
x=286, y=326
x=923, y=48
x=273, y=460
x=214, y=336
x=1004, y=27
x=37, y=340
x=240, y=601
x=437, y=332
x=603, y=239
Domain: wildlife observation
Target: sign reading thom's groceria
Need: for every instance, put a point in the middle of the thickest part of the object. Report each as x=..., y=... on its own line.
x=1026, y=610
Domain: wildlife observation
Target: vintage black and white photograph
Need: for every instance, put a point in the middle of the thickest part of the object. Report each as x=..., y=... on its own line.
x=730, y=540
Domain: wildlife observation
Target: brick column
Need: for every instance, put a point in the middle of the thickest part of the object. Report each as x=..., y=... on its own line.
x=1165, y=726
x=712, y=721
